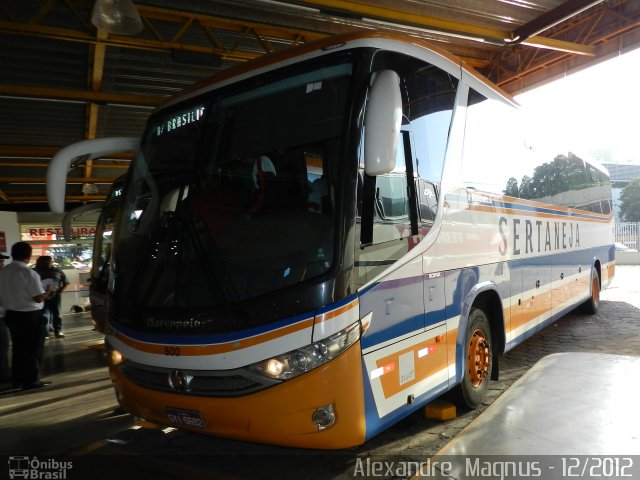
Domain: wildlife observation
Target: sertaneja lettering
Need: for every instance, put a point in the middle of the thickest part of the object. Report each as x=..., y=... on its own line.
x=537, y=236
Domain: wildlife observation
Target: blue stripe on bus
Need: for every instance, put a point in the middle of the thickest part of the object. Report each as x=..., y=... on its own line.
x=536, y=209
x=207, y=339
x=398, y=309
x=204, y=339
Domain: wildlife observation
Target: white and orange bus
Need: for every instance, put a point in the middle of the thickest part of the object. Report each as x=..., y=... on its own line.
x=312, y=246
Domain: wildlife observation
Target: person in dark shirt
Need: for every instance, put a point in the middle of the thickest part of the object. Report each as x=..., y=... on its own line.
x=57, y=280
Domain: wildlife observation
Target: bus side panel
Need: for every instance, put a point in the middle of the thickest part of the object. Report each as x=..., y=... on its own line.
x=463, y=286
x=571, y=279
x=397, y=307
x=402, y=377
x=547, y=297
x=549, y=251
x=534, y=298
x=405, y=362
x=608, y=266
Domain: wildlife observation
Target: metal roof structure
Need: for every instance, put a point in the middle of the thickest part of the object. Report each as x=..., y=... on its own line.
x=62, y=80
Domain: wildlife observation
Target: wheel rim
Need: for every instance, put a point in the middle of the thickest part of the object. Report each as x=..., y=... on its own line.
x=479, y=358
x=595, y=289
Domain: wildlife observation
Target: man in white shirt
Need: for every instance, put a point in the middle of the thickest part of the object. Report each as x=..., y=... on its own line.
x=22, y=296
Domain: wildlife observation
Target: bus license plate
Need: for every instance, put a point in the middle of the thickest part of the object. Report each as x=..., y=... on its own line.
x=186, y=418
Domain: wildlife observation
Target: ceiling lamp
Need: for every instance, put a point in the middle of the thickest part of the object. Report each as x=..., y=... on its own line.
x=116, y=16
x=90, y=189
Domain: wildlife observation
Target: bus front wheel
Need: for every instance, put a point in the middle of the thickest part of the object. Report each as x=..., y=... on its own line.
x=478, y=360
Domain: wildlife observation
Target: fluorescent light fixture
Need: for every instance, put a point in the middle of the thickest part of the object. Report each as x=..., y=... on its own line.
x=116, y=16
x=289, y=5
x=423, y=30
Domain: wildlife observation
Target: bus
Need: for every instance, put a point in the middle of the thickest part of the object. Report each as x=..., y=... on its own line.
x=98, y=286
x=61, y=163
x=312, y=246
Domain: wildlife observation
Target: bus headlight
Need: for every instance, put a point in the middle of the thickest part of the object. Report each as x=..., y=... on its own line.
x=116, y=357
x=297, y=362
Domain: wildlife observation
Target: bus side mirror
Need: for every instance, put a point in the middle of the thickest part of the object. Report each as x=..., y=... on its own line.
x=382, y=124
x=78, y=153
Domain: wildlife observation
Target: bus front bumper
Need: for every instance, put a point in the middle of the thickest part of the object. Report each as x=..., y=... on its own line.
x=282, y=414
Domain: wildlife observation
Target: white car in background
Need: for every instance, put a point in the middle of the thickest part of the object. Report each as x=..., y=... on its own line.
x=621, y=247
x=78, y=265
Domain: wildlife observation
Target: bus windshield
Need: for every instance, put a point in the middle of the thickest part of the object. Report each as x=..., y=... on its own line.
x=232, y=195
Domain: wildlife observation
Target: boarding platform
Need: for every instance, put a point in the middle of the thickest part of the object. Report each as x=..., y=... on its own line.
x=571, y=415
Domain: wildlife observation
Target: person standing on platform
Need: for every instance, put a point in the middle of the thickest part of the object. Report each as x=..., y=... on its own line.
x=5, y=371
x=55, y=277
x=22, y=296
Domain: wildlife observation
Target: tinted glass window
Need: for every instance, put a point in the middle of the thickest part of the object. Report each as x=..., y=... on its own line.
x=233, y=195
x=428, y=98
x=496, y=159
x=494, y=140
x=428, y=95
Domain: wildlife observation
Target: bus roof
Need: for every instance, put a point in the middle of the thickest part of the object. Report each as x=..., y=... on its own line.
x=312, y=49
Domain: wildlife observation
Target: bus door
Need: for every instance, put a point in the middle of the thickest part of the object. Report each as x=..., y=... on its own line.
x=393, y=304
x=405, y=348
x=434, y=281
x=402, y=302
x=395, y=299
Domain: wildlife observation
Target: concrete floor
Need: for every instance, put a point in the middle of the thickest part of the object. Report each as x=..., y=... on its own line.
x=77, y=419
x=567, y=416
x=78, y=406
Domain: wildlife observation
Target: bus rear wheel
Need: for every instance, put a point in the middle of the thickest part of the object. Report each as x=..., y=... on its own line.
x=478, y=360
x=592, y=305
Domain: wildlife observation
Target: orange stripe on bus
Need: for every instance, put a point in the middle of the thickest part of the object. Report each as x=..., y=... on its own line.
x=195, y=350
x=547, y=206
x=338, y=311
x=424, y=367
x=529, y=203
x=510, y=211
x=537, y=305
x=611, y=271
